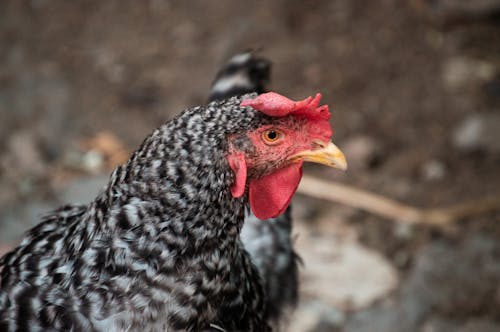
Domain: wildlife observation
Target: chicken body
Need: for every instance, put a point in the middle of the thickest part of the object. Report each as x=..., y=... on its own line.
x=269, y=242
x=157, y=250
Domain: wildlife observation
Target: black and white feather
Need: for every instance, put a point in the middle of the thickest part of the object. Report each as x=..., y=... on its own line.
x=157, y=250
x=243, y=73
x=269, y=242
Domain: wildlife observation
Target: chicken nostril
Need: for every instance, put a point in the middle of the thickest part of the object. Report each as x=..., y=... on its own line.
x=317, y=144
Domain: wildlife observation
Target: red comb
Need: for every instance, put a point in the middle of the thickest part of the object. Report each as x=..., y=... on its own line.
x=274, y=104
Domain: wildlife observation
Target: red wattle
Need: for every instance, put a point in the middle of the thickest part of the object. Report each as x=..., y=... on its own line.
x=239, y=166
x=271, y=194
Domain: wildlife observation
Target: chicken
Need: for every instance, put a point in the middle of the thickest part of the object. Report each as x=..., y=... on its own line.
x=269, y=242
x=159, y=248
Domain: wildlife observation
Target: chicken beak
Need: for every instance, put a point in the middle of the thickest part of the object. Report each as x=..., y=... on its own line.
x=327, y=154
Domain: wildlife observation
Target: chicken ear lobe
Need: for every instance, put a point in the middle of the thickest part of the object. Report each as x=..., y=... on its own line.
x=271, y=194
x=239, y=166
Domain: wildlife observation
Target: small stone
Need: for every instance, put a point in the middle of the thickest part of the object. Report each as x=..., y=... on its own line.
x=460, y=71
x=433, y=170
x=404, y=231
x=478, y=132
x=92, y=161
x=361, y=151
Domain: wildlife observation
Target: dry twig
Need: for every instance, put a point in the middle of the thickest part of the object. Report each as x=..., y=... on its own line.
x=391, y=209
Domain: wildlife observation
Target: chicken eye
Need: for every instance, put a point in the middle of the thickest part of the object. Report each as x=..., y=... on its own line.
x=272, y=136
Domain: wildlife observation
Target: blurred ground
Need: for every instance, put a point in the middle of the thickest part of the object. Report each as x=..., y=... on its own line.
x=415, y=89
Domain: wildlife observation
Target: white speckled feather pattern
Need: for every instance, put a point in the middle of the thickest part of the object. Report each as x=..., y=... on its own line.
x=269, y=242
x=157, y=250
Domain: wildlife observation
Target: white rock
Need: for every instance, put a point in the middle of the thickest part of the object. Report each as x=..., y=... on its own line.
x=433, y=170
x=459, y=71
x=342, y=272
x=478, y=132
x=92, y=161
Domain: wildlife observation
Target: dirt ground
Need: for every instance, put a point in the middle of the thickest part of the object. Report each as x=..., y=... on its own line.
x=415, y=90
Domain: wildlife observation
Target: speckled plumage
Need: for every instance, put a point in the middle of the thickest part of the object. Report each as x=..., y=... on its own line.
x=243, y=73
x=157, y=250
x=269, y=242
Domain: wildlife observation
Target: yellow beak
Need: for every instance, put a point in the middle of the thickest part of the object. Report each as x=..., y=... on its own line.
x=327, y=154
